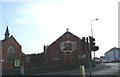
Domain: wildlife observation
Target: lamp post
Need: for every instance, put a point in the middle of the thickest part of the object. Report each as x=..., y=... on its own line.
x=91, y=26
x=89, y=47
x=92, y=31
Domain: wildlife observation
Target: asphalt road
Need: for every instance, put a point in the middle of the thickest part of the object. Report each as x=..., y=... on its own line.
x=107, y=69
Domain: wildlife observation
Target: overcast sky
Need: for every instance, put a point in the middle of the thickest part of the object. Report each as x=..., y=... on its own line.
x=39, y=23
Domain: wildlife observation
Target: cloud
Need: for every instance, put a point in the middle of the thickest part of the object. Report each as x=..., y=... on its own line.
x=55, y=17
x=23, y=21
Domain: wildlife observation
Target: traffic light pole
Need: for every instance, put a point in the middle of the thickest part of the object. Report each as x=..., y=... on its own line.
x=89, y=49
x=89, y=56
x=94, y=53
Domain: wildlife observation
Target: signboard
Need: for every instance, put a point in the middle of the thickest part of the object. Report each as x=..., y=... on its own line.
x=17, y=63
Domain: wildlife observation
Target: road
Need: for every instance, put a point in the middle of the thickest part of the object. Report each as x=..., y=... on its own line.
x=107, y=69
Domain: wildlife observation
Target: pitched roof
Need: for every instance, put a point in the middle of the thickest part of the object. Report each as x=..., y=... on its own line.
x=113, y=49
x=67, y=32
x=10, y=38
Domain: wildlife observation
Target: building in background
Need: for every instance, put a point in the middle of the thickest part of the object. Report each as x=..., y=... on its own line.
x=113, y=55
x=102, y=59
x=97, y=60
x=67, y=49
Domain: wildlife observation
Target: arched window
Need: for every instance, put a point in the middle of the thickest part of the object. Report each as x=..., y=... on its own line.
x=10, y=53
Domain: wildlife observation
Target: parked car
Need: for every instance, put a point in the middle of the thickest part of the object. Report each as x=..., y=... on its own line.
x=98, y=62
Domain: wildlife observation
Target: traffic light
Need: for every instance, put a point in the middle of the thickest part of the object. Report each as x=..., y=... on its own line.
x=83, y=39
x=95, y=48
x=92, y=44
x=83, y=43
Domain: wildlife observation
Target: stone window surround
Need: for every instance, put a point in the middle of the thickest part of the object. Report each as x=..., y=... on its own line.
x=68, y=42
x=9, y=52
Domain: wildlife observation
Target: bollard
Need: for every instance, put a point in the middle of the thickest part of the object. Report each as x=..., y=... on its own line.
x=82, y=71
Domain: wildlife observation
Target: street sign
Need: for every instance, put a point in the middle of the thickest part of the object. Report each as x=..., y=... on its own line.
x=17, y=63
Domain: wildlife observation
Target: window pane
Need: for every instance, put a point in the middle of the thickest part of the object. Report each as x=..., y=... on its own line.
x=10, y=54
x=74, y=46
x=62, y=46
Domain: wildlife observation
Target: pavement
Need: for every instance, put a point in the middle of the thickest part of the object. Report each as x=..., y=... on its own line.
x=99, y=67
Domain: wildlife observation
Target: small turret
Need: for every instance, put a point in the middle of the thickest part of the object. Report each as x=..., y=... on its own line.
x=7, y=33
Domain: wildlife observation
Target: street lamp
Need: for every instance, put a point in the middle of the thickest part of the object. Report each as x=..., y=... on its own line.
x=91, y=26
x=92, y=31
x=89, y=47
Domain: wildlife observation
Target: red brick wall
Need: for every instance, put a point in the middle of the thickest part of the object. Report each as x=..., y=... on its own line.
x=26, y=61
x=55, y=48
x=4, y=49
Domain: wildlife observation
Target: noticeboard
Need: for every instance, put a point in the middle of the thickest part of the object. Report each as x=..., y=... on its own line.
x=17, y=63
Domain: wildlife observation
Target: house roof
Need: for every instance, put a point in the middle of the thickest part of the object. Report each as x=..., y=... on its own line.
x=67, y=32
x=114, y=48
x=10, y=38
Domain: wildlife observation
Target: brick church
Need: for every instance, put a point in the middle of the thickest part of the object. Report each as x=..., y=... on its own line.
x=11, y=50
x=67, y=49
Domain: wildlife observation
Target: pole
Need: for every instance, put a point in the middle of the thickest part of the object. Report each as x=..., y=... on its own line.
x=94, y=53
x=91, y=29
x=92, y=32
x=94, y=57
x=89, y=49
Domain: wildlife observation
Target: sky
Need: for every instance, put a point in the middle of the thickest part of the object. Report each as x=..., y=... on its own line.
x=40, y=22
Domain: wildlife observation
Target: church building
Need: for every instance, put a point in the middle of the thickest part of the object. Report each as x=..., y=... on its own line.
x=11, y=52
x=67, y=49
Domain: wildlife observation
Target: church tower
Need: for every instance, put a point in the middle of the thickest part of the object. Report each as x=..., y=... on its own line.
x=7, y=33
